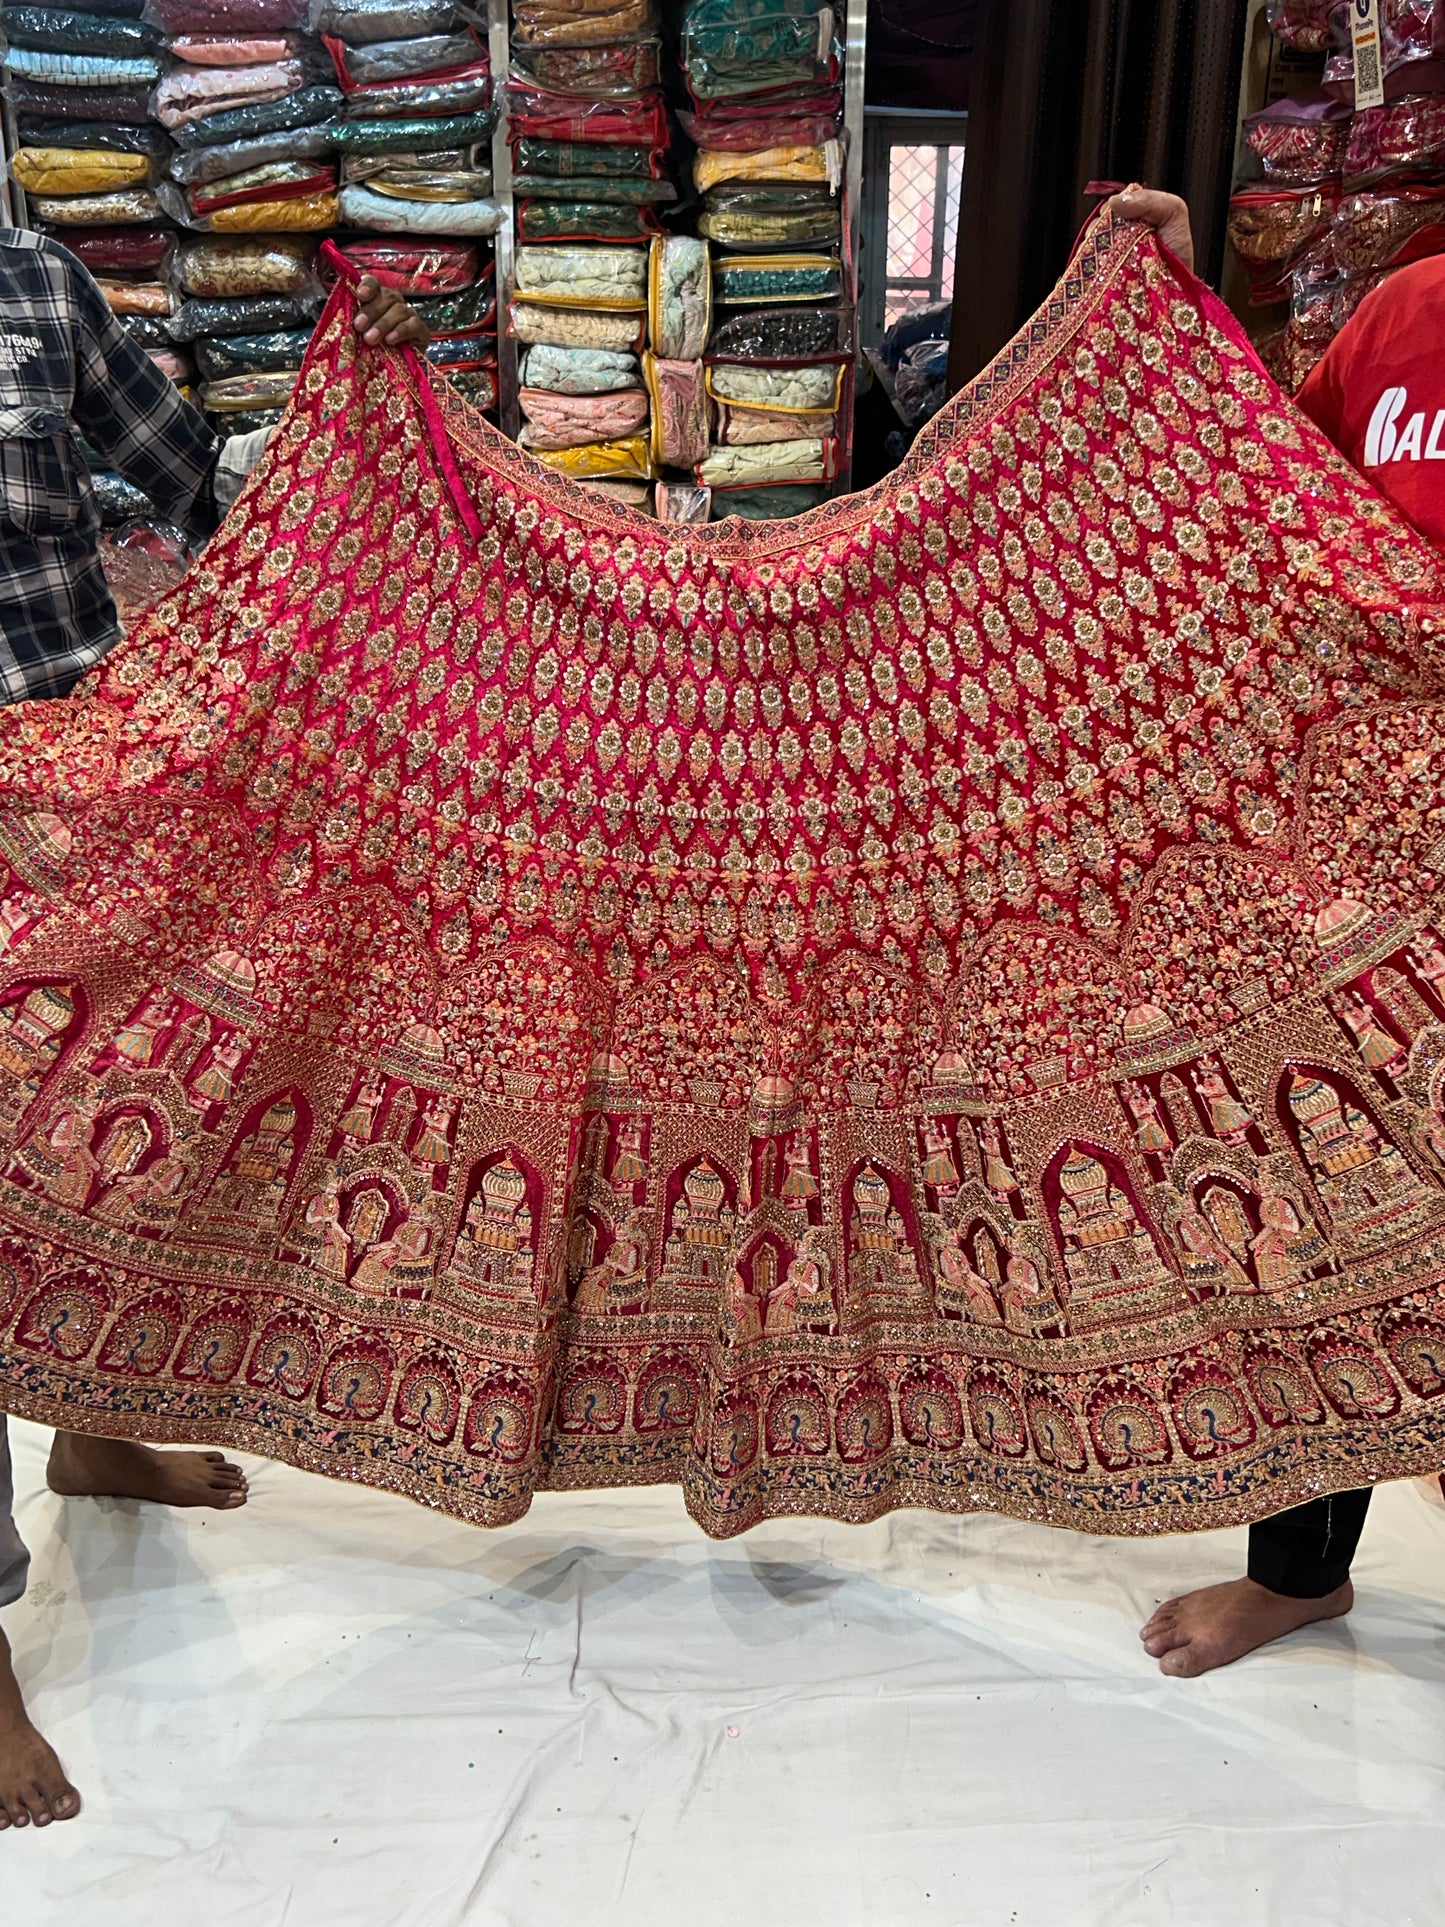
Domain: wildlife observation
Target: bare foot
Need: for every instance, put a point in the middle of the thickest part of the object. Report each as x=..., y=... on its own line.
x=33, y=1786
x=1218, y=1624
x=86, y=1468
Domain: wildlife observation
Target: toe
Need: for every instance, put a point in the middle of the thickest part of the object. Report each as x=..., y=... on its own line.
x=1181, y=1662
x=15, y=1813
x=66, y=1803
x=39, y=1804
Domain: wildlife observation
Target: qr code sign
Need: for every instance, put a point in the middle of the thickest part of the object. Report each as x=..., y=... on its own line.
x=1367, y=70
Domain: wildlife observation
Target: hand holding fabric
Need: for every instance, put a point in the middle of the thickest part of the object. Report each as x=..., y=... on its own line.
x=1167, y=214
x=385, y=319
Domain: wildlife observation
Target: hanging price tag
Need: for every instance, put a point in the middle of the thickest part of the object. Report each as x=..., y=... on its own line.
x=1365, y=44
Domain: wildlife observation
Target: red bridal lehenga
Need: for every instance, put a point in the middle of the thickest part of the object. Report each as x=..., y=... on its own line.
x=934, y=1003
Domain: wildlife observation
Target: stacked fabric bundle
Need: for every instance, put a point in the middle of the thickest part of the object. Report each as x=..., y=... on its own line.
x=251, y=186
x=418, y=114
x=89, y=158
x=194, y=152
x=1347, y=193
x=764, y=77
x=589, y=134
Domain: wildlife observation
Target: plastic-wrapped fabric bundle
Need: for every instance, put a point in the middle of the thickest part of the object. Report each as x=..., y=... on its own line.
x=78, y=170
x=143, y=561
x=412, y=183
x=461, y=351
x=416, y=269
x=222, y=269
x=234, y=50
x=765, y=504
x=55, y=31
x=116, y=9
x=403, y=59
x=204, y=165
x=683, y=502
x=627, y=459
x=752, y=386
x=1269, y=228
x=173, y=366
x=247, y=391
x=230, y=16
x=786, y=47
x=1301, y=140
x=466, y=92
x=628, y=495
x=790, y=162
x=534, y=322
x=111, y=137
x=583, y=277
x=252, y=354
x=358, y=22
x=780, y=126
x=149, y=298
x=1405, y=137
x=127, y=207
x=277, y=180
x=478, y=385
x=359, y=207
x=747, y=229
x=598, y=73
x=146, y=331
x=679, y=411
x=679, y=296
x=545, y=220
x=412, y=136
x=567, y=421
x=253, y=315
x=637, y=121
x=307, y=107
x=735, y=427
x=578, y=371
x=571, y=160
x=82, y=70
x=799, y=461
x=306, y=214
x=1388, y=229
x=778, y=277
x=130, y=104
x=601, y=190
x=581, y=23
x=123, y=249
x=778, y=334
x=1309, y=25
x=195, y=93
x=117, y=499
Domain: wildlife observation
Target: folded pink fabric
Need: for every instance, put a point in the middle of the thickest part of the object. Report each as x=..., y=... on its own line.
x=234, y=50
x=190, y=93
x=567, y=421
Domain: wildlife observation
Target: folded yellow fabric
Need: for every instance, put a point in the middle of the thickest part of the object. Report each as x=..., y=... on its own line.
x=792, y=162
x=77, y=170
x=626, y=460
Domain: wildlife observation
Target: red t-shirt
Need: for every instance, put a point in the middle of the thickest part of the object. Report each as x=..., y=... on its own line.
x=1379, y=393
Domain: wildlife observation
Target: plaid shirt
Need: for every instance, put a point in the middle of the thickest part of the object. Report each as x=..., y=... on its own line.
x=65, y=359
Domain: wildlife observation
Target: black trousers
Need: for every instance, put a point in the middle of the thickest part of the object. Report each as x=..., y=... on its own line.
x=1306, y=1552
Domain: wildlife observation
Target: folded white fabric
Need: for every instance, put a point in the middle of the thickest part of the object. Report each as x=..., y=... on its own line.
x=387, y=214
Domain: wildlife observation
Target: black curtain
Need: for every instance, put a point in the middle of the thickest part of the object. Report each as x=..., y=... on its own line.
x=1069, y=91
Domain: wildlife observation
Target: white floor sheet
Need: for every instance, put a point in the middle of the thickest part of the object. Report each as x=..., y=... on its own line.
x=335, y=1709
